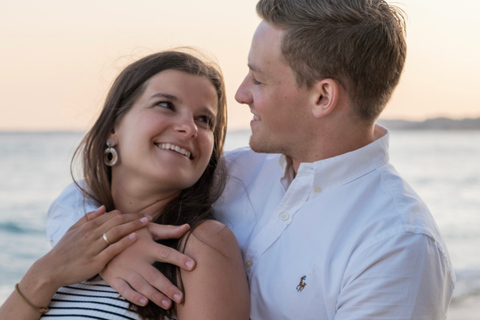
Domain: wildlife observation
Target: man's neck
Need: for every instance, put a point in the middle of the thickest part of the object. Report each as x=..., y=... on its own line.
x=338, y=142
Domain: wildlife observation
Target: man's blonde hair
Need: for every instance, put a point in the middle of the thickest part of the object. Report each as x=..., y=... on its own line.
x=359, y=43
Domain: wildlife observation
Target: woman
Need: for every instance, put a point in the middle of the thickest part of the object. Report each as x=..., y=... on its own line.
x=155, y=150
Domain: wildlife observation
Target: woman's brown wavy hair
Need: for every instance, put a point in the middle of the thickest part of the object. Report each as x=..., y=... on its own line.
x=192, y=205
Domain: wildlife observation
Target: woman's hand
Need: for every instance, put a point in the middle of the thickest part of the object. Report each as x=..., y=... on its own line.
x=131, y=273
x=83, y=251
x=81, y=254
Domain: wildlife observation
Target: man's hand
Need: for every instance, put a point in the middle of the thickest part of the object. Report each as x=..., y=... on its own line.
x=131, y=272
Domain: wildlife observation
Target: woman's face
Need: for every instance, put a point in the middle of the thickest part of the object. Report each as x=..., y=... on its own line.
x=166, y=138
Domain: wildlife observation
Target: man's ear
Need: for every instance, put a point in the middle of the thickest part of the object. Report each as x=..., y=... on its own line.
x=325, y=97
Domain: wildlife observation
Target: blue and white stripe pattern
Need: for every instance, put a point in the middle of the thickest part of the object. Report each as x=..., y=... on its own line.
x=89, y=300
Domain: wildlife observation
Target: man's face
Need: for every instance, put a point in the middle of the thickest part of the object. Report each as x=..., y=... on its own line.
x=278, y=105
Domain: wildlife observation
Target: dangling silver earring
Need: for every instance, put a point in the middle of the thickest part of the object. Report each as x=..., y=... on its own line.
x=110, y=154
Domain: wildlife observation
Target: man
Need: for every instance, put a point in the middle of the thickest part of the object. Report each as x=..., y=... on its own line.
x=327, y=227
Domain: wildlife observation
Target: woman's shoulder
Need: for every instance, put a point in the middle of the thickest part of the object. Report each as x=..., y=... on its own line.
x=212, y=234
x=219, y=280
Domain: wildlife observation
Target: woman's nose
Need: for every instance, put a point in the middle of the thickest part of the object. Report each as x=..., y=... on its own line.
x=187, y=126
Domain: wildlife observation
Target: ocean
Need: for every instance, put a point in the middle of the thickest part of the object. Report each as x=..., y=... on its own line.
x=442, y=166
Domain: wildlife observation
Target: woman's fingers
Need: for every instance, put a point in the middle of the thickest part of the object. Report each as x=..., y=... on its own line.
x=134, y=267
x=105, y=238
x=115, y=248
x=89, y=216
x=160, y=288
x=127, y=292
x=169, y=255
x=94, y=214
x=90, y=239
x=140, y=283
x=166, y=254
x=105, y=235
x=89, y=246
x=162, y=232
x=121, y=226
x=108, y=227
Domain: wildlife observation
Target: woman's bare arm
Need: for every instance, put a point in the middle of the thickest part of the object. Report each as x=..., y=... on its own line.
x=218, y=287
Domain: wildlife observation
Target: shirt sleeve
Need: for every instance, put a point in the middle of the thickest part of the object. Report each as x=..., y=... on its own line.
x=65, y=211
x=405, y=276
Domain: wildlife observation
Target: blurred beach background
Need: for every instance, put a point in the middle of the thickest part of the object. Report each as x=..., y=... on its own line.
x=58, y=59
x=442, y=166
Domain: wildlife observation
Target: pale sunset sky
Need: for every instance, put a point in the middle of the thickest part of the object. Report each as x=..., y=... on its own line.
x=58, y=58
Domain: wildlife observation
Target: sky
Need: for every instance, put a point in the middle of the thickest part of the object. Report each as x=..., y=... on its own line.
x=58, y=58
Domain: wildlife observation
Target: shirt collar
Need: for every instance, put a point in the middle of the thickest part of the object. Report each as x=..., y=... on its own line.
x=341, y=169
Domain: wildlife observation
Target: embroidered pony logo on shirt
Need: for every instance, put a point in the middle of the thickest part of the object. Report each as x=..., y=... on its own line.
x=302, y=284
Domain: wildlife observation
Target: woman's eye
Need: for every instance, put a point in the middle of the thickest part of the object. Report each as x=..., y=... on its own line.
x=166, y=104
x=207, y=120
x=256, y=82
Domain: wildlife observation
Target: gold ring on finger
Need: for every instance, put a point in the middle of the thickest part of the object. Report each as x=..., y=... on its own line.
x=106, y=239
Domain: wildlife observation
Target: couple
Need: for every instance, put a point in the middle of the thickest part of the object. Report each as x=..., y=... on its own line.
x=326, y=227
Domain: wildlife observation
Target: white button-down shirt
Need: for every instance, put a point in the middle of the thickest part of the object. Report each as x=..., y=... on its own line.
x=346, y=238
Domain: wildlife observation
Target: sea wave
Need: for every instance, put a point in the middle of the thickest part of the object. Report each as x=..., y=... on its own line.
x=12, y=227
x=468, y=284
x=441, y=166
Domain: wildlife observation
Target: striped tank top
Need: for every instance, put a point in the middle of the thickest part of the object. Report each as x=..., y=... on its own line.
x=89, y=300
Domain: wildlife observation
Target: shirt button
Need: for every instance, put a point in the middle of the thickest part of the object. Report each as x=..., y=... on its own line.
x=317, y=189
x=285, y=217
x=249, y=263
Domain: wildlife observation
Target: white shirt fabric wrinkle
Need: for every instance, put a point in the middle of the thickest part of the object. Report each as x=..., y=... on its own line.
x=347, y=238
x=361, y=239
x=66, y=210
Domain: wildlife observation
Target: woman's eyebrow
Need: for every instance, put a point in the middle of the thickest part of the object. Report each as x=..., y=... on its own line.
x=165, y=95
x=209, y=112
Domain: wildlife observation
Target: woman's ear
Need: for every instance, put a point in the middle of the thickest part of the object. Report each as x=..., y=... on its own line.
x=325, y=97
x=112, y=139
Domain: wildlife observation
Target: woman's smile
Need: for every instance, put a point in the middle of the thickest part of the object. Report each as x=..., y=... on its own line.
x=176, y=148
x=168, y=124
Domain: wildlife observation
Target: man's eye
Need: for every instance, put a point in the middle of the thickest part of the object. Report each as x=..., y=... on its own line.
x=256, y=82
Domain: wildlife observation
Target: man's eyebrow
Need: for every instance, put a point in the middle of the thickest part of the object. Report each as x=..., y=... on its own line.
x=254, y=68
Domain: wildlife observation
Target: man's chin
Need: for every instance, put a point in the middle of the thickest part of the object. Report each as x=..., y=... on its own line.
x=261, y=146
x=254, y=144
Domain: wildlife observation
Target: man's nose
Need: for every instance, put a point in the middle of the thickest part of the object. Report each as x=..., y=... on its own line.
x=243, y=94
